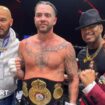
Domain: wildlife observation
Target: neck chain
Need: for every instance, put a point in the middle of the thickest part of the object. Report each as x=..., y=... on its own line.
x=91, y=57
x=4, y=44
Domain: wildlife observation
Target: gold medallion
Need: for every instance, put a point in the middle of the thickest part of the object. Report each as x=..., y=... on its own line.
x=58, y=91
x=38, y=93
x=25, y=89
x=91, y=57
x=86, y=59
x=2, y=49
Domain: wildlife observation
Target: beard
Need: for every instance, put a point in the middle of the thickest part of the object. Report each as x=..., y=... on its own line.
x=44, y=28
x=3, y=32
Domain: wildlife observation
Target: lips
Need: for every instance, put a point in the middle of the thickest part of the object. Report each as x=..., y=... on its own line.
x=43, y=24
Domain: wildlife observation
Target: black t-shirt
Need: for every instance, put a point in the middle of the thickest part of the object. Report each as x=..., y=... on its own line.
x=99, y=60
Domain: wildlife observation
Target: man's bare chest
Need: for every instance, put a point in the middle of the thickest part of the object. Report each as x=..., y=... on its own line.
x=44, y=56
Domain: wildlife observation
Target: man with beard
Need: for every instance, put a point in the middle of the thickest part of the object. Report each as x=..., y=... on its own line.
x=46, y=56
x=8, y=49
x=92, y=58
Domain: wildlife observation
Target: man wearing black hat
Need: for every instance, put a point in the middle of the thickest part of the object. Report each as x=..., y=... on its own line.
x=92, y=58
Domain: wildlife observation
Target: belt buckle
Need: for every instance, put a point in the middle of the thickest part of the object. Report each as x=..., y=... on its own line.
x=38, y=93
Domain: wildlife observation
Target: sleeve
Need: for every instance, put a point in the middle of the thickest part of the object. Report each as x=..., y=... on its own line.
x=96, y=96
x=88, y=88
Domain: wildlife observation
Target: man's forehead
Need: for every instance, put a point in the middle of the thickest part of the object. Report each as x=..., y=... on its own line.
x=44, y=7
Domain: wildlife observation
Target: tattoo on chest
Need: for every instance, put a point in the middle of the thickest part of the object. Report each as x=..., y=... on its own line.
x=41, y=55
x=41, y=59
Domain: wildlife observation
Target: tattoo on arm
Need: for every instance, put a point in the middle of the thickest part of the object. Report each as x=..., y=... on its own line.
x=70, y=62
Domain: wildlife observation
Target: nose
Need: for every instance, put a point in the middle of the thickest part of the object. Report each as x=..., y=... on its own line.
x=43, y=17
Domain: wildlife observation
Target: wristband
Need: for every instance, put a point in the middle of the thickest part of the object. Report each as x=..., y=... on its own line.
x=71, y=103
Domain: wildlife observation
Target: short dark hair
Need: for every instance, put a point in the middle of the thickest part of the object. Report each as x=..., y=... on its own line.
x=46, y=3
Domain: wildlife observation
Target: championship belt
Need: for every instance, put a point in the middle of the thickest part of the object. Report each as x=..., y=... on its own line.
x=38, y=93
x=25, y=89
x=58, y=91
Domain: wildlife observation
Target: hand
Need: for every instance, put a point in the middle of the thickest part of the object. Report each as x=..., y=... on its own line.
x=87, y=76
x=18, y=62
x=14, y=64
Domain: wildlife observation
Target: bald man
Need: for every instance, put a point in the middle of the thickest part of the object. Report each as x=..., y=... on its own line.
x=8, y=49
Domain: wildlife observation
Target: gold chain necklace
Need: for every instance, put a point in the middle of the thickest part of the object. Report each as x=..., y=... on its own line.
x=3, y=49
x=91, y=57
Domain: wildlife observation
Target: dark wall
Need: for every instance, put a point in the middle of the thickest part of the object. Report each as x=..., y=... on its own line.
x=68, y=16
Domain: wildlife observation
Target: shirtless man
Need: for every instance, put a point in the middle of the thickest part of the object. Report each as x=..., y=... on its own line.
x=46, y=56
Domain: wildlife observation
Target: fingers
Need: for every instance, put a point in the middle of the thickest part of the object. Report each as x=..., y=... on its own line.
x=87, y=71
x=87, y=76
x=14, y=64
x=11, y=64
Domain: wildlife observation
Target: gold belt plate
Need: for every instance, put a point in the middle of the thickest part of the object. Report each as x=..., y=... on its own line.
x=38, y=93
x=58, y=91
x=25, y=89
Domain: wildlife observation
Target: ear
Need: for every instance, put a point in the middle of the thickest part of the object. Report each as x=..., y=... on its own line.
x=101, y=28
x=11, y=22
x=55, y=20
